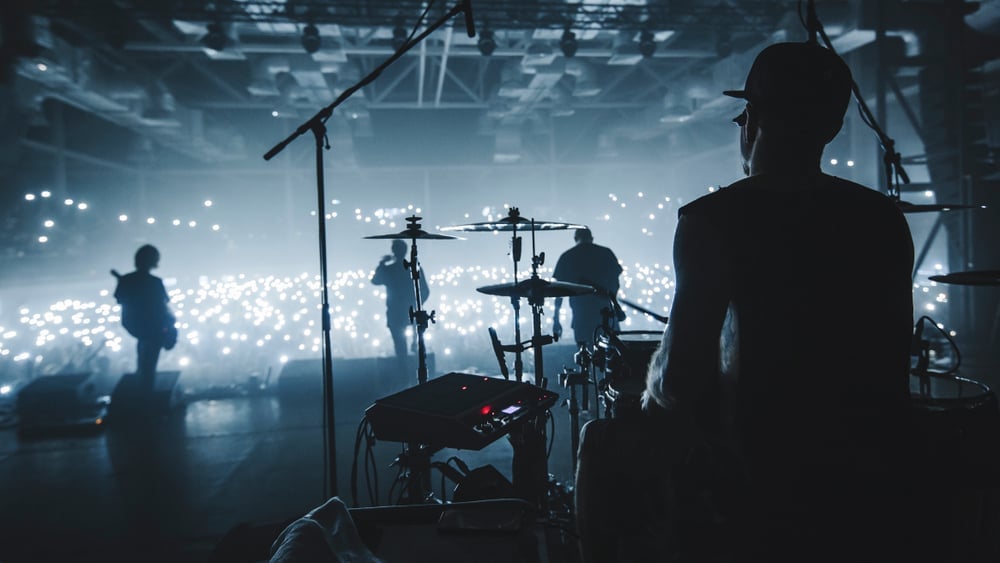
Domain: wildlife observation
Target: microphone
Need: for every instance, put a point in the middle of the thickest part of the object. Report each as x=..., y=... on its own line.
x=812, y=22
x=470, y=25
x=498, y=351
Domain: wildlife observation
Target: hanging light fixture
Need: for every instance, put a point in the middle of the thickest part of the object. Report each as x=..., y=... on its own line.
x=310, y=39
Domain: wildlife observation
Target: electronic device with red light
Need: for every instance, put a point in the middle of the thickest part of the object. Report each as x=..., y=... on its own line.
x=457, y=410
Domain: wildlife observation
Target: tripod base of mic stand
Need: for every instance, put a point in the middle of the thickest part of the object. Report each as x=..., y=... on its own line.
x=415, y=463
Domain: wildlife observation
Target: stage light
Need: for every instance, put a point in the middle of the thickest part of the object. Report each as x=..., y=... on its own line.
x=568, y=43
x=647, y=46
x=486, y=43
x=215, y=39
x=310, y=39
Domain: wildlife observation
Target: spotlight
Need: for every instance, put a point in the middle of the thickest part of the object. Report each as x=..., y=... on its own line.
x=486, y=43
x=216, y=38
x=568, y=43
x=646, y=44
x=399, y=36
x=310, y=39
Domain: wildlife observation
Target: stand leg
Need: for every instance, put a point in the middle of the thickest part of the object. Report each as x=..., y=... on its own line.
x=529, y=467
x=574, y=421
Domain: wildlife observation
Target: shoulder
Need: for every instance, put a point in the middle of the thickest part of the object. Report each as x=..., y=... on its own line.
x=724, y=197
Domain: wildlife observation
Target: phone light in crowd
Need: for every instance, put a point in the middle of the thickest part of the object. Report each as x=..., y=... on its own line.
x=833, y=161
x=43, y=239
x=176, y=222
x=123, y=217
x=192, y=224
x=82, y=206
x=208, y=203
x=150, y=220
x=850, y=163
x=274, y=113
x=29, y=197
x=42, y=67
x=215, y=227
x=49, y=223
x=46, y=193
x=68, y=201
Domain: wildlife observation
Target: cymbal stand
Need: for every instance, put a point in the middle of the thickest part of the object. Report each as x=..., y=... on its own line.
x=418, y=315
x=416, y=458
x=515, y=301
x=537, y=303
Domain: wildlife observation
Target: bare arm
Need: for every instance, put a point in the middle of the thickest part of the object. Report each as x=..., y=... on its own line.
x=687, y=360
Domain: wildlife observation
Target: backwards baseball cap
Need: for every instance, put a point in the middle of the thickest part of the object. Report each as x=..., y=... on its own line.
x=796, y=80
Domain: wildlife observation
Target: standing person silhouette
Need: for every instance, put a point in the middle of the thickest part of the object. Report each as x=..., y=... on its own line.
x=594, y=265
x=146, y=313
x=393, y=272
x=814, y=433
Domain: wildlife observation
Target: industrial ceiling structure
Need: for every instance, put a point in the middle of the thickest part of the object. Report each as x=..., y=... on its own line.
x=181, y=74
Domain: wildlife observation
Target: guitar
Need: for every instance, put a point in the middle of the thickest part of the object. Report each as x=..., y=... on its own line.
x=168, y=329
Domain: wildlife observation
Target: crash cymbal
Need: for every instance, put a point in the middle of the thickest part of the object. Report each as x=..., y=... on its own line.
x=975, y=277
x=907, y=207
x=536, y=288
x=413, y=234
x=413, y=231
x=513, y=224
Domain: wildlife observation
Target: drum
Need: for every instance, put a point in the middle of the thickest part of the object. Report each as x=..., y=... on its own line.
x=959, y=424
x=626, y=371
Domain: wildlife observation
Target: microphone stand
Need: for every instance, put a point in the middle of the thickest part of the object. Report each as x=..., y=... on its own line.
x=317, y=125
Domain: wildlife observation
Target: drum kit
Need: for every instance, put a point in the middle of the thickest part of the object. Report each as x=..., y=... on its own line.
x=618, y=356
x=623, y=357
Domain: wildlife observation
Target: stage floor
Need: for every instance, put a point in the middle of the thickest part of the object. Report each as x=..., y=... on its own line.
x=169, y=490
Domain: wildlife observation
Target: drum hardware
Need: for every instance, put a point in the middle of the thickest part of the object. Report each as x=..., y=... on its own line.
x=571, y=379
x=535, y=291
x=419, y=316
x=907, y=207
x=624, y=358
x=414, y=461
x=530, y=468
x=660, y=318
x=972, y=277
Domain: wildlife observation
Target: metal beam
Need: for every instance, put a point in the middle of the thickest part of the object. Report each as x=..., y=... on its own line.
x=469, y=51
x=76, y=155
x=444, y=65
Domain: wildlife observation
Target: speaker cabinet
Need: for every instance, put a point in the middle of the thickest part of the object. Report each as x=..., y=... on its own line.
x=130, y=398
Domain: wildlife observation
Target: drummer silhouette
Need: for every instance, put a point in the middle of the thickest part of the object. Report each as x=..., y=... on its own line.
x=393, y=272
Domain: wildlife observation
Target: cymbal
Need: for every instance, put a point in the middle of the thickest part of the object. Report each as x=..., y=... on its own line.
x=907, y=207
x=974, y=277
x=516, y=223
x=536, y=288
x=413, y=234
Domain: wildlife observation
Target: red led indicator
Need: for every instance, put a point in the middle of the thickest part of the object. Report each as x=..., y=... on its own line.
x=485, y=410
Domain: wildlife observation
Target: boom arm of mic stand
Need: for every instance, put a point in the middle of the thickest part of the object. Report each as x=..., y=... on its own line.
x=325, y=113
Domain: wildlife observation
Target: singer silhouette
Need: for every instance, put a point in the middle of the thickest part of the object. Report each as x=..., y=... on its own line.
x=393, y=273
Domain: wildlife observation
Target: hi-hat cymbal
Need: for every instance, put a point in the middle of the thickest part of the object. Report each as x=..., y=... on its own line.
x=516, y=223
x=536, y=288
x=413, y=234
x=975, y=277
x=907, y=207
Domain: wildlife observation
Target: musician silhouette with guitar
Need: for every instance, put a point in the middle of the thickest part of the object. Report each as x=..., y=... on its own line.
x=146, y=313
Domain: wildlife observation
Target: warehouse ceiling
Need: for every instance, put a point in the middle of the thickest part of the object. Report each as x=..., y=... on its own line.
x=223, y=81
